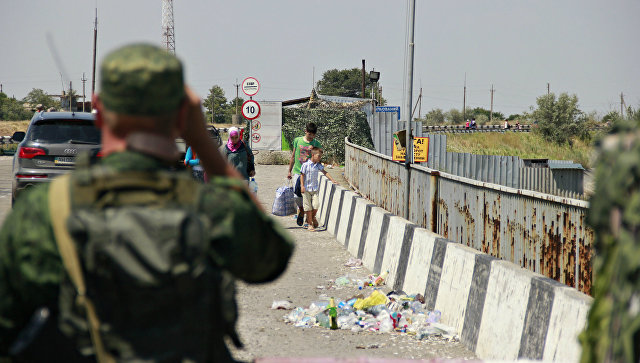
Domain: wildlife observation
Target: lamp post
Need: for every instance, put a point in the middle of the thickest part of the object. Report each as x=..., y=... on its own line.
x=373, y=77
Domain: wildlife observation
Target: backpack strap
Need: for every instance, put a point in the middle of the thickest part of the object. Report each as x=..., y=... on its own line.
x=60, y=209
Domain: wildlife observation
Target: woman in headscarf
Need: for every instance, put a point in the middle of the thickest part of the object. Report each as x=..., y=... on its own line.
x=239, y=154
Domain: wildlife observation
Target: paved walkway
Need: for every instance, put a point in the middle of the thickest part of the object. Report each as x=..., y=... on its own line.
x=318, y=258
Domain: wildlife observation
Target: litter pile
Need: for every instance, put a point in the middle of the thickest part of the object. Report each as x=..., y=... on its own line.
x=394, y=312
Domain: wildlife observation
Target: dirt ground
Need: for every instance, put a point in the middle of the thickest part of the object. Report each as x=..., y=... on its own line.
x=318, y=258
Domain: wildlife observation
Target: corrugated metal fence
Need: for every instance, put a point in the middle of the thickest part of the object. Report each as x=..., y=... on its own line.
x=541, y=232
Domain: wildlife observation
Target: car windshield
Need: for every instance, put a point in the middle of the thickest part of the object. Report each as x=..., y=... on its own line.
x=65, y=131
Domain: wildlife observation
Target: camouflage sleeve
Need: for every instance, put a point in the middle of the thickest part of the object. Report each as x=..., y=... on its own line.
x=244, y=240
x=30, y=265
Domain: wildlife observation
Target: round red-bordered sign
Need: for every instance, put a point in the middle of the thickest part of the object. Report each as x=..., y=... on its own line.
x=256, y=125
x=251, y=110
x=250, y=86
x=256, y=137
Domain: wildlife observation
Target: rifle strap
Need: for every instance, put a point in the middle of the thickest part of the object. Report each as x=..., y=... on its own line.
x=60, y=209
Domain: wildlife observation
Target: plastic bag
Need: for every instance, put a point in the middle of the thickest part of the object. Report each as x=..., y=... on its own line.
x=284, y=204
x=376, y=298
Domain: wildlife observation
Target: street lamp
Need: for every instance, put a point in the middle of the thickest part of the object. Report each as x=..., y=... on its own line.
x=373, y=77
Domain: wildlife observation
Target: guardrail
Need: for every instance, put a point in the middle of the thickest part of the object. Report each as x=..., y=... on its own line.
x=7, y=140
x=544, y=233
x=479, y=128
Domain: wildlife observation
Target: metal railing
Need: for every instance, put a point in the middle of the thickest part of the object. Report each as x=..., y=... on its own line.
x=479, y=128
x=544, y=233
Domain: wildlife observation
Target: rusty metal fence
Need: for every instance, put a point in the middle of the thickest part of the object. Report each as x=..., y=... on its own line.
x=544, y=233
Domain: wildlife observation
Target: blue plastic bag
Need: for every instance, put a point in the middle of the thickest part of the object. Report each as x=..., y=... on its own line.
x=284, y=204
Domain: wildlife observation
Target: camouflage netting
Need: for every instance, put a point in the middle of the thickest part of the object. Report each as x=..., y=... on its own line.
x=613, y=326
x=333, y=126
x=334, y=120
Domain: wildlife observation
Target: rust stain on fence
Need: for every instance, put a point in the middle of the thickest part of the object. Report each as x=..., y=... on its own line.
x=540, y=232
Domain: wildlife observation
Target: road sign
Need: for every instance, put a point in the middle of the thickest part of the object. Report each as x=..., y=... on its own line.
x=250, y=110
x=420, y=151
x=256, y=137
x=256, y=125
x=250, y=86
x=389, y=109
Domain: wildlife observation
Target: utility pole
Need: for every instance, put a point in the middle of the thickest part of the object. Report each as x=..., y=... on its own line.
x=168, y=30
x=464, y=99
x=621, y=104
x=491, y=112
x=420, y=99
x=548, y=88
x=408, y=158
x=0, y=87
x=84, y=100
x=363, y=72
x=95, y=38
x=237, y=86
x=70, y=97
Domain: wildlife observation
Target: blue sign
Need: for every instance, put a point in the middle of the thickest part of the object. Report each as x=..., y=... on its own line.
x=389, y=109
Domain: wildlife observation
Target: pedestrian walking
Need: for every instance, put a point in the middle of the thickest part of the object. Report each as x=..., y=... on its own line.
x=301, y=152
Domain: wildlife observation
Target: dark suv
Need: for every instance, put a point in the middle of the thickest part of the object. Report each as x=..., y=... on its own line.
x=50, y=146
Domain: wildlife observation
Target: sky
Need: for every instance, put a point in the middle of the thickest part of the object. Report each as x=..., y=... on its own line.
x=588, y=48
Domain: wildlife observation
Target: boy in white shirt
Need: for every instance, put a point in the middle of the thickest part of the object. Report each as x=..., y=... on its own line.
x=309, y=186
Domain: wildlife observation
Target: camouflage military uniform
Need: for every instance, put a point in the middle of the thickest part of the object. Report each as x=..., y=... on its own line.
x=243, y=241
x=613, y=326
x=162, y=290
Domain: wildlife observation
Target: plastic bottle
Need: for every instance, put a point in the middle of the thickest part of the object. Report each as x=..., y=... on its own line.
x=333, y=315
x=360, y=284
x=253, y=186
x=381, y=279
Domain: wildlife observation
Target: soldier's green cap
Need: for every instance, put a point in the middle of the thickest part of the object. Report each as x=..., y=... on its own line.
x=141, y=80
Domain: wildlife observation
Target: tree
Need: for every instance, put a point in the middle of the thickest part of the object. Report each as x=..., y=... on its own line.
x=38, y=96
x=347, y=83
x=454, y=117
x=560, y=119
x=12, y=109
x=434, y=117
x=216, y=102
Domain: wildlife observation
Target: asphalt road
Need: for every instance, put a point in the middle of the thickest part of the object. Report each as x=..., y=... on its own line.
x=318, y=258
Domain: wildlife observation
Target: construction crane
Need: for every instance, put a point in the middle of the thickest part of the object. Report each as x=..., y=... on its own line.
x=168, y=38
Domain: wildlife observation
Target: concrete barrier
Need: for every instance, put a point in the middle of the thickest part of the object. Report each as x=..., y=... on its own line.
x=500, y=310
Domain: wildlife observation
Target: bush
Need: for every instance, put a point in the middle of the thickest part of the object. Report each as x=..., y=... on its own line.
x=560, y=120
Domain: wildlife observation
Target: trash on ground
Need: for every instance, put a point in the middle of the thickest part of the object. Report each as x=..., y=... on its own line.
x=353, y=262
x=399, y=313
x=282, y=305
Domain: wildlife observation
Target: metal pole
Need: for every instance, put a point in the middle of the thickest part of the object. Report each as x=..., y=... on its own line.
x=409, y=149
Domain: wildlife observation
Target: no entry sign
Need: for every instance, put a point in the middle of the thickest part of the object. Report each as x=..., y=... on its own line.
x=250, y=86
x=250, y=110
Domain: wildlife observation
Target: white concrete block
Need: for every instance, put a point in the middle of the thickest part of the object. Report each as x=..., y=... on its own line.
x=335, y=207
x=356, y=226
x=505, y=307
x=419, y=261
x=393, y=245
x=373, y=237
x=568, y=319
x=345, y=216
x=455, y=284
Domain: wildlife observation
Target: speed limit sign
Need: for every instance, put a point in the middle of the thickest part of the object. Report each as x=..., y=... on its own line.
x=251, y=110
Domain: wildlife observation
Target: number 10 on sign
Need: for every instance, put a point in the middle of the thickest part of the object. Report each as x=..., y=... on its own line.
x=251, y=110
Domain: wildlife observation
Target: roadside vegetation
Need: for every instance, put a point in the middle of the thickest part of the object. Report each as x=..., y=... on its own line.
x=526, y=145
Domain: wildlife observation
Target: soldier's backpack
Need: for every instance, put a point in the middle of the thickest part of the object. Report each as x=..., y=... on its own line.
x=142, y=284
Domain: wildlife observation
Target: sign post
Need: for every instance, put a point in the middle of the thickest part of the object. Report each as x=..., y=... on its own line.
x=420, y=151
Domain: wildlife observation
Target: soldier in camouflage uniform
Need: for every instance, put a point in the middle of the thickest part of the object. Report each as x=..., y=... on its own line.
x=157, y=250
x=613, y=324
